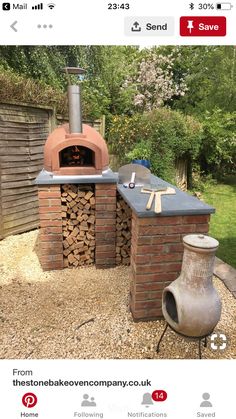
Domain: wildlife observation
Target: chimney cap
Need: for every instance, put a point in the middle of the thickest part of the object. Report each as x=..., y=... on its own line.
x=73, y=70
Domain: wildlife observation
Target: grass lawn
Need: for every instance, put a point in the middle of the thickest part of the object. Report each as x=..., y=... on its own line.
x=223, y=223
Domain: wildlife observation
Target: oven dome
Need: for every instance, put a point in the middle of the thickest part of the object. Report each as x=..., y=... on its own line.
x=89, y=141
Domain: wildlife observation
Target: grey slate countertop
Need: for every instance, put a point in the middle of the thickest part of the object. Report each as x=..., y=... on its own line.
x=179, y=204
x=48, y=178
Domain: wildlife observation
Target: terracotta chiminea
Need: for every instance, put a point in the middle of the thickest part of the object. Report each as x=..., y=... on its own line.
x=191, y=305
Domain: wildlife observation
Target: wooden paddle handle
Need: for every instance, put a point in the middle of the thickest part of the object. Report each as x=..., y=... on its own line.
x=158, y=208
x=132, y=177
x=149, y=204
x=132, y=183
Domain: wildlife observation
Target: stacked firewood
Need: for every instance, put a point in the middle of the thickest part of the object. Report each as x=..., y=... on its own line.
x=123, y=232
x=78, y=224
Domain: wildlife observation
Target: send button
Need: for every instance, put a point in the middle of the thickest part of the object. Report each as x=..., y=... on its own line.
x=149, y=26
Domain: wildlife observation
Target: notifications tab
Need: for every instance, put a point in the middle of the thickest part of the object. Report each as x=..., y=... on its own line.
x=203, y=26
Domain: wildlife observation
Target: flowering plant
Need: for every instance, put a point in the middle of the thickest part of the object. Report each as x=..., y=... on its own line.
x=155, y=83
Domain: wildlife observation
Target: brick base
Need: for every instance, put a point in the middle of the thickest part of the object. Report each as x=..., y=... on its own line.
x=51, y=251
x=156, y=258
x=105, y=228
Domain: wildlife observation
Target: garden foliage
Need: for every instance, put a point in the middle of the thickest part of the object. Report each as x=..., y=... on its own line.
x=154, y=83
x=18, y=88
x=167, y=134
x=218, y=148
x=146, y=95
x=37, y=72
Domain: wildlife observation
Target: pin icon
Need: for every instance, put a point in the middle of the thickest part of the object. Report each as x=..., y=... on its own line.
x=29, y=400
x=190, y=26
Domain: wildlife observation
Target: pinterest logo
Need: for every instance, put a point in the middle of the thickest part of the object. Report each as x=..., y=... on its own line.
x=29, y=400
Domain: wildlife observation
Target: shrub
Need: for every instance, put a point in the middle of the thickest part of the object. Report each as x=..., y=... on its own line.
x=218, y=149
x=123, y=133
x=169, y=135
x=15, y=87
x=141, y=151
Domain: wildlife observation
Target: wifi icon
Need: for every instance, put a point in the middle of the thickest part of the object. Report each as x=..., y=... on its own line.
x=51, y=5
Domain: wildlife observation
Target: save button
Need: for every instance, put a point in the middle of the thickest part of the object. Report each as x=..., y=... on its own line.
x=203, y=26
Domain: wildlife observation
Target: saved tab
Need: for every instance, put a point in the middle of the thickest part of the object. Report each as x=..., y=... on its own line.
x=203, y=26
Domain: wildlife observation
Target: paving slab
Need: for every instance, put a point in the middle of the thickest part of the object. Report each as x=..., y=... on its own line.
x=227, y=274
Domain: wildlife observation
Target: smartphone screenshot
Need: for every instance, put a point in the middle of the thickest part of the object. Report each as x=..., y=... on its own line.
x=117, y=209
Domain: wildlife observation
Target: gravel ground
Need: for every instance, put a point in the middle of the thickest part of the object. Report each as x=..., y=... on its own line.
x=41, y=313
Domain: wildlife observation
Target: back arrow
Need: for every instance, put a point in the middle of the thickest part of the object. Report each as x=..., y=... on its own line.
x=13, y=26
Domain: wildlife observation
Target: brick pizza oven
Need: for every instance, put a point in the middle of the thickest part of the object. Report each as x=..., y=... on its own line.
x=77, y=194
x=87, y=217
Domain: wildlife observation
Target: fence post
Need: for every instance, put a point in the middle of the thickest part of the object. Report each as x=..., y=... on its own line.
x=103, y=126
x=52, y=119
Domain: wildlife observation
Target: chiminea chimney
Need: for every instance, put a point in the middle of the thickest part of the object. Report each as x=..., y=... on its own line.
x=74, y=100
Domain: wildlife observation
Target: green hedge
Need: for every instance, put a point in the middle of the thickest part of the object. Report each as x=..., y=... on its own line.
x=218, y=148
x=15, y=87
x=169, y=134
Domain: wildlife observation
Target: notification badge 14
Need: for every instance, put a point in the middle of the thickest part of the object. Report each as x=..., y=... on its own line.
x=159, y=395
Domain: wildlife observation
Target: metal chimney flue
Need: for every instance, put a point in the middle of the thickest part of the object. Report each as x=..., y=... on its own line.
x=74, y=100
x=75, y=114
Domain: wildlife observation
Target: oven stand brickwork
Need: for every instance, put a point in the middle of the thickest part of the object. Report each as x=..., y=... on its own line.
x=156, y=258
x=123, y=231
x=105, y=228
x=51, y=250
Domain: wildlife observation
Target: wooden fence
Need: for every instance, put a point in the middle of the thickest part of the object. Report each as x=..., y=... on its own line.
x=23, y=132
